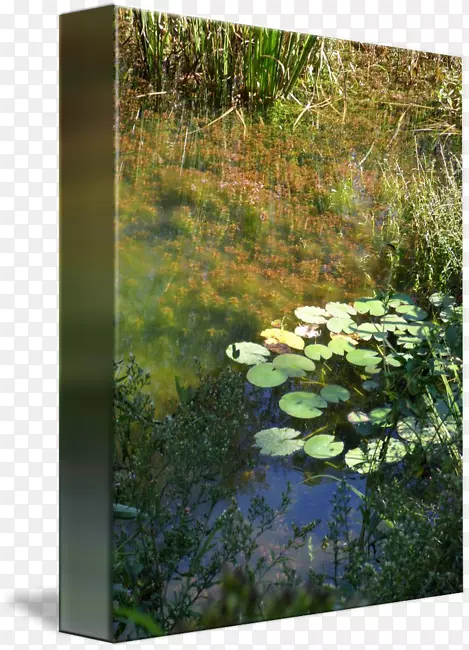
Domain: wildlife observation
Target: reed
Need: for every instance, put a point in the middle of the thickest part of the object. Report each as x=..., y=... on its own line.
x=232, y=63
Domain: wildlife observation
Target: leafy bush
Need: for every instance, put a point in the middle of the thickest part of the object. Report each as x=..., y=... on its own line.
x=177, y=523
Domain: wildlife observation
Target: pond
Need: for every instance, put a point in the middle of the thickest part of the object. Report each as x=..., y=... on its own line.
x=224, y=229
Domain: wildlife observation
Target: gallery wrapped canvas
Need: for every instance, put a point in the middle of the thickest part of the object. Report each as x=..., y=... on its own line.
x=260, y=324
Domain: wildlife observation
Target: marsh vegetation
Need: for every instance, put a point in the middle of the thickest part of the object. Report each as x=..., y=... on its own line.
x=289, y=325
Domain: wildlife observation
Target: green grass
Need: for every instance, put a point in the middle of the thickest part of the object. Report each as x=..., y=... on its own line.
x=424, y=223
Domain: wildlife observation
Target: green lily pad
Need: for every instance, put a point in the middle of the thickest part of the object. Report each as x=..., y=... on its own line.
x=370, y=306
x=266, y=375
x=369, y=461
x=301, y=404
x=323, y=447
x=410, y=430
x=318, y=351
x=278, y=442
x=367, y=330
x=363, y=357
x=408, y=342
x=380, y=416
x=361, y=422
x=412, y=312
x=340, y=309
x=372, y=370
x=341, y=345
x=358, y=417
x=312, y=315
x=284, y=361
x=337, y=325
x=398, y=299
x=370, y=385
x=247, y=353
x=392, y=360
x=391, y=321
x=356, y=459
x=334, y=393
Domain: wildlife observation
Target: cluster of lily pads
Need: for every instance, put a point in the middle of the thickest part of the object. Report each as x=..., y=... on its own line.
x=394, y=326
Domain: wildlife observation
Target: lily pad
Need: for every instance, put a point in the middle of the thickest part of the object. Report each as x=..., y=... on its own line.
x=372, y=370
x=361, y=422
x=266, y=375
x=370, y=385
x=398, y=299
x=278, y=442
x=334, y=393
x=392, y=360
x=341, y=344
x=408, y=342
x=391, y=321
x=312, y=315
x=369, y=461
x=283, y=336
x=363, y=357
x=301, y=404
x=318, y=351
x=367, y=330
x=247, y=353
x=370, y=306
x=337, y=325
x=340, y=309
x=323, y=447
x=411, y=431
x=355, y=459
x=380, y=416
x=294, y=361
x=412, y=312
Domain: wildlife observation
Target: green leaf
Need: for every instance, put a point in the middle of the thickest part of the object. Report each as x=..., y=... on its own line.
x=361, y=422
x=391, y=321
x=278, y=442
x=341, y=344
x=301, y=404
x=392, y=360
x=380, y=416
x=408, y=342
x=398, y=299
x=312, y=315
x=338, y=325
x=340, y=309
x=247, y=353
x=363, y=357
x=139, y=618
x=323, y=447
x=369, y=461
x=266, y=375
x=335, y=393
x=370, y=306
x=124, y=512
x=367, y=330
x=294, y=365
x=412, y=312
x=317, y=351
x=370, y=385
x=372, y=370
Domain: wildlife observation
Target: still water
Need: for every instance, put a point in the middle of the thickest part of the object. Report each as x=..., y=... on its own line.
x=225, y=229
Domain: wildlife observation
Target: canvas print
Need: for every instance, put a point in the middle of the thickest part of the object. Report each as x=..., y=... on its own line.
x=288, y=325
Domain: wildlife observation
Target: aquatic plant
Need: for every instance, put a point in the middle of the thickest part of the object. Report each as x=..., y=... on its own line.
x=420, y=385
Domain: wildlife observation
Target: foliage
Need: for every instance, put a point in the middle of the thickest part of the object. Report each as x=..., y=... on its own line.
x=424, y=220
x=177, y=523
x=234, y=64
